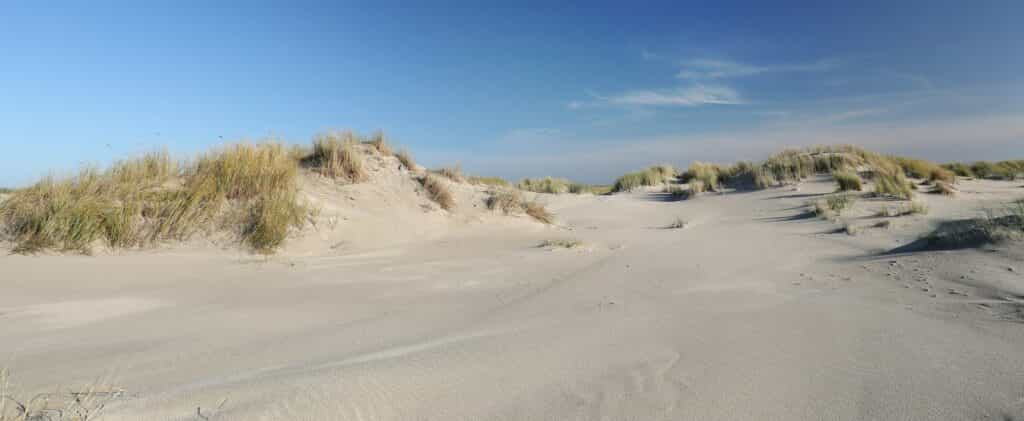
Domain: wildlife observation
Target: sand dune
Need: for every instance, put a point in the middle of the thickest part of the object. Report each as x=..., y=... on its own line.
x=392, y=308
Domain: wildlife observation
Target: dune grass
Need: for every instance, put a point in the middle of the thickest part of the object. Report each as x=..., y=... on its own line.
x=561, y=243
x=150, y=199
x=833, y=205
x=336, y=155
x=405, y=158
x=379, y=143
x=488, y=181
x=511, y=202
x=545, y=185
x=923, y=169
x=943, y=188
x=84, y=404
x=1001, y=170
x=893, y=184
x=847, y=180
x=651, y=176
x=437, y=191
x=453, y=173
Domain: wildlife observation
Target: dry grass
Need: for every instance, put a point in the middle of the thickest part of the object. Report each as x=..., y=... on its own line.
x=943, y=188
x=893, y=184
x=139, y=202
x=489, y=181
x=703, y=177
x=847, y=180
x=405, y=158
x=1001, y=170
x=539, y=212
x=379, y=143
x=438, y=191
x=452, y=173
x=919, y=168
x=833, y=205
x=561, y=243
x=337, y=155
x=512, y=202
x=545, y=185
x=85, y=404
x=910, y=208
x=651, y=176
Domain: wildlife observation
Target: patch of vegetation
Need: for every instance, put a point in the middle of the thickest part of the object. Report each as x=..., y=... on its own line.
x=833, y=205
x=910, y=208
x=437, y=191
x=250, y=189
x=561, y=243
x=545, y=185
x=893, y=184
x=405, y=158
x=702, y=177
x=511, y=201
x=379, y=143
x=920, y=168
x=85, y=404
x=489, y=181
x=1001, y=170
x=960, y=169
x=336, y=155
x=847, y=180
x=652, y=176
x=451, y=173
x=943, y=188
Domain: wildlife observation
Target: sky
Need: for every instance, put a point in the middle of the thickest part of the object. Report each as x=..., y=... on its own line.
x=584, y=90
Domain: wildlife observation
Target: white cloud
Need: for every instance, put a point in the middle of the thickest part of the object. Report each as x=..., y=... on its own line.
x=681, y=97
x=720, y=69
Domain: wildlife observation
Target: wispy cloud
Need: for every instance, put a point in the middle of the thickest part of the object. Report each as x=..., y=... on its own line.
x=679, y=97
x=721, y=69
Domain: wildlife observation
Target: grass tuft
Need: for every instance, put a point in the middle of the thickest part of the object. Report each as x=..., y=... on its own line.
x=336, y=155
x=451, y=173
x=405, y=158
x=847, y=180
x=943, y=188
x=511, y=201
x=438, y=191
x=380, y=144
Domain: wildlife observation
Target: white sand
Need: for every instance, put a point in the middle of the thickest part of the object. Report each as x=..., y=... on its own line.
x=407, y=312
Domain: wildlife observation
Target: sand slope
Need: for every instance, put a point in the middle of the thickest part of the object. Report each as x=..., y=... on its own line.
x=753, y=311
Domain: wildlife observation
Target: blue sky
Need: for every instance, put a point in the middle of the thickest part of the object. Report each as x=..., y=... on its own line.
x=587, y=90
